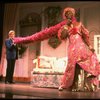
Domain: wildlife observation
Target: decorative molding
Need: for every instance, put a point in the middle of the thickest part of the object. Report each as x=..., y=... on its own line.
x=20, y=79
x=54, y=41
x=97, y=46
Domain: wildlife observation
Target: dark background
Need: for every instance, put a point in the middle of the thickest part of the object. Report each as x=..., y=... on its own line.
x=1, y=26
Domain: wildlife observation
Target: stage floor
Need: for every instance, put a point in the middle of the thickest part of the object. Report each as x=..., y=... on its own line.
x=27, y=91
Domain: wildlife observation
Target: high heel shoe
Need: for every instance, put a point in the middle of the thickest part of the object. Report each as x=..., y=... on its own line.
x=60, y=88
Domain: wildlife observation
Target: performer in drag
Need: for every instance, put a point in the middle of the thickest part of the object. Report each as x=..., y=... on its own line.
x=83, y=67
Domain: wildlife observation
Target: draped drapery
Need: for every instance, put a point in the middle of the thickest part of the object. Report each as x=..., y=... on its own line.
x=9, y=23
x=1, y=26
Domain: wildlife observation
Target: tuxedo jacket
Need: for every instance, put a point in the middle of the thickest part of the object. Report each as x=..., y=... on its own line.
x=11, y=50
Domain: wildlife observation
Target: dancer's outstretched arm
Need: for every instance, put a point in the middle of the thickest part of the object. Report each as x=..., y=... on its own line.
x=44, y=34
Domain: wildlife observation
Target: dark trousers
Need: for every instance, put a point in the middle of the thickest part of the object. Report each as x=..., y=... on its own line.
x=10, y=70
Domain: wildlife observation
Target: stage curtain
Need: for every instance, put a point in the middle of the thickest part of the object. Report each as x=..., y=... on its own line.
x=9, y=23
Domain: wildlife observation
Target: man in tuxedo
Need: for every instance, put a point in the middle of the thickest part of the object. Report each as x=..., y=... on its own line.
x=11, y=56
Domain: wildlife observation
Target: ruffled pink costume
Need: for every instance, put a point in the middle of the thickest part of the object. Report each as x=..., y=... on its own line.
x=78, y=51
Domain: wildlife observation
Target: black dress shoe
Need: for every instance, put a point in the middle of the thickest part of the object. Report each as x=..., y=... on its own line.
x=6, y=82
x=12, y=82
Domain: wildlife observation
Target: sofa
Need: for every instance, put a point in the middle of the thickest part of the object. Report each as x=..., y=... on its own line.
x=48, y=71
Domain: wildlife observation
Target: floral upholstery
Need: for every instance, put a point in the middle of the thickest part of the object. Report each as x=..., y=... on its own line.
x=50, y=75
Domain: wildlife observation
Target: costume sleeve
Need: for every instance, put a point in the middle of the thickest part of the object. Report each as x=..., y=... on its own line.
x=44, y=34
x=63, y=32
x=59, y=32
x=85, y=35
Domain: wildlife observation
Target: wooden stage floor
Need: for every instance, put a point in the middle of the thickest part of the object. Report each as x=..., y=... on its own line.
x=26, y=91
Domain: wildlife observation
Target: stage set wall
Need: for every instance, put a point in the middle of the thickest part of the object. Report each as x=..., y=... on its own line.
x=89, y=15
